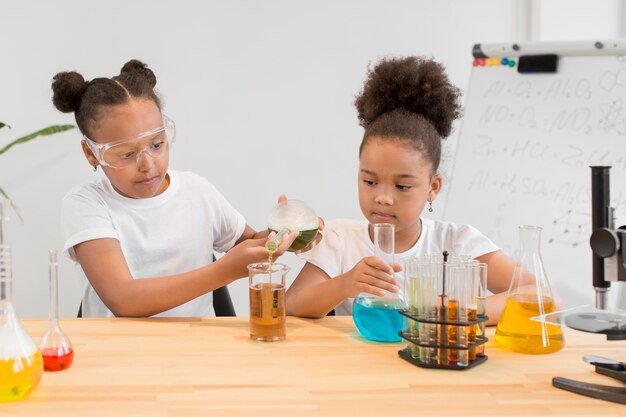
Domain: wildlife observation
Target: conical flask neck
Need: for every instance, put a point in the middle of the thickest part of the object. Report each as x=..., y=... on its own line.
x=529, y=276
x=530, y=239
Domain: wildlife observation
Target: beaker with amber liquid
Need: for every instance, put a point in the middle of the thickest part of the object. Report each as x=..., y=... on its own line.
x=267, y=301
x=529, y=295
x=21, y=364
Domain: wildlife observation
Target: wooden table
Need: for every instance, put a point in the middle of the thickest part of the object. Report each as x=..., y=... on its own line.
x=210, y=367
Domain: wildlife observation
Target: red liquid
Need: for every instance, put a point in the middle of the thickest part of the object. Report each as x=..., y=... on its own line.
x=53, y=360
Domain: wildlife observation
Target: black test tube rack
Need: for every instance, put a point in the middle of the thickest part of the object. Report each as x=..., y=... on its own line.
x=415, y=343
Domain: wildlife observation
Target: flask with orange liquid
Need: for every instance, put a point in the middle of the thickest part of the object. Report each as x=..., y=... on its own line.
x=529, y=295
x=21, y=364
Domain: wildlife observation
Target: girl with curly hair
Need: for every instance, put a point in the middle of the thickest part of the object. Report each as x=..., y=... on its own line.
x=407, y=107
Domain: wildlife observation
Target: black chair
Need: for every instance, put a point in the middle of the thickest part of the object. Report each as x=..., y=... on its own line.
x=222, y=303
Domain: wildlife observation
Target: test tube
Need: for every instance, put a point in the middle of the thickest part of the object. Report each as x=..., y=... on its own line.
x=473, y=283
x=481, y=303
x=452, y=283
x=442, y=315
x=428, y=310
x=411, y=285
x=463, y=277
x=412, y=292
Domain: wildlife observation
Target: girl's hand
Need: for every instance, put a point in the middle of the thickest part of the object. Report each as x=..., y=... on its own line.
x=318, y=237
x=371, y=275
x=320, y=226
x=251, y=251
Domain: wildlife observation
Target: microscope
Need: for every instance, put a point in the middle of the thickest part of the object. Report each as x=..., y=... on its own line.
x=609, y=262
x=609, y=265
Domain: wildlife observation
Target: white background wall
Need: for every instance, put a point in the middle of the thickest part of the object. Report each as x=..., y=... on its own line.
x=262, y=94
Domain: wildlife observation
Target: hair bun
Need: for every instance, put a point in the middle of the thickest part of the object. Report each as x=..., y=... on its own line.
x=68, y=89
x=136, y=68
x=415, y=84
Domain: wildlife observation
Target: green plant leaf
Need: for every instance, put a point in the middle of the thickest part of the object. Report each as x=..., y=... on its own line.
x=3, y=125
x=50, y=130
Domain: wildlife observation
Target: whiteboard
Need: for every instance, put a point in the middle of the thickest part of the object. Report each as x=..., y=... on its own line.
x=523, y=157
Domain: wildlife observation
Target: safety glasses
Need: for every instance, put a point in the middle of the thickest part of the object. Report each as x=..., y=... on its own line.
x=122, y=153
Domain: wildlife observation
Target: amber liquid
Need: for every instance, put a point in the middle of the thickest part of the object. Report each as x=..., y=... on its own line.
x=481, y=311
x=453, y=335
x=442, y=329
x=517, y=332
x=267, y=312
x=471, y=332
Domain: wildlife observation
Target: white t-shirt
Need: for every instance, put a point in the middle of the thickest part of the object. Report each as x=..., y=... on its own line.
x=346, y=242
x=171, y=233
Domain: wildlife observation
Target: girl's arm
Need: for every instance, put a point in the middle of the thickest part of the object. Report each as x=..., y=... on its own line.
x=313, y=294
x=499, y=273
x=105, y=266
x=250, y=233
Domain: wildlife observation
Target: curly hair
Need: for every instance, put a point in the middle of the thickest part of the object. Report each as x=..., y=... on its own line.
x=409, y=99
x=88, y=99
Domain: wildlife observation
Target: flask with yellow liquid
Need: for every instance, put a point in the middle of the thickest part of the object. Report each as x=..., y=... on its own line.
x=529, y=295
x=21, y=364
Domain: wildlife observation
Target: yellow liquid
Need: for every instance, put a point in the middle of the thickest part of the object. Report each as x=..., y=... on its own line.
x=517, y=332
x=18, y=377
x=413, y=325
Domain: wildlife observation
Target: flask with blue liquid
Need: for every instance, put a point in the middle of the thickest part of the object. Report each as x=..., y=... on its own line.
x=376, y=317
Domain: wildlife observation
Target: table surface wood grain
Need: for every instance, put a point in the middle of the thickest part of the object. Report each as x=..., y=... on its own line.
x=210, y=367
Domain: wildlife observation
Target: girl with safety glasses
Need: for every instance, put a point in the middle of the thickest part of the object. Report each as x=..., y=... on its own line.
x=144, y=234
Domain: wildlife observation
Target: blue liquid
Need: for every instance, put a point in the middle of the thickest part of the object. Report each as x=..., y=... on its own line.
x=378, y=319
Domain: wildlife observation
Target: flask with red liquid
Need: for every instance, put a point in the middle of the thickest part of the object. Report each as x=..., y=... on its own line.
x=55, y=346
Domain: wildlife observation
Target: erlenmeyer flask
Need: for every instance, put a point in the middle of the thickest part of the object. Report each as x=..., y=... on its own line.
x=377, y=317
x=55, y=346
x=21, y=365
x=529, y=295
